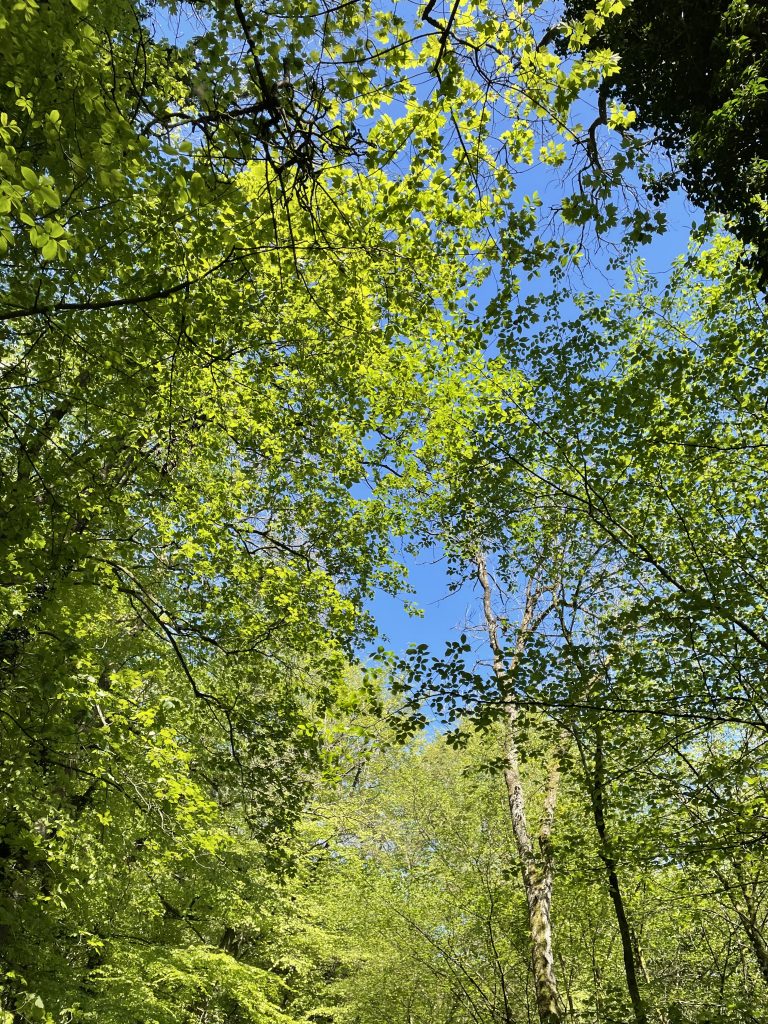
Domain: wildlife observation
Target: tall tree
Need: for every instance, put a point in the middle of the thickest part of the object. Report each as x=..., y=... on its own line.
x=537, y=865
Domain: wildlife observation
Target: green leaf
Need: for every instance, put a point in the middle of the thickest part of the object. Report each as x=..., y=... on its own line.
x=29, y=175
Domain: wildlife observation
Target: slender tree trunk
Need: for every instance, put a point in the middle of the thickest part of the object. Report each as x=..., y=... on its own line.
x=538, y=874
x=758, y=944
x=537, y=867
x=745, y=908
x=597, y=800
x=748, y=916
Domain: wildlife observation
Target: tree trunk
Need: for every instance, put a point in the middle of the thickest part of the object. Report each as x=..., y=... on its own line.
x=747, y=914
x=597, y=800
x=745, y=908
x=537, y=867
x=538, y=872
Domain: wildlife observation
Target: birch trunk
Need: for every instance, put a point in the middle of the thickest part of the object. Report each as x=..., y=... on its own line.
x=538, y=875
x=537, y=866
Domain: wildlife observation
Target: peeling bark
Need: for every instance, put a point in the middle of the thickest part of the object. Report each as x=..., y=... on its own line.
x=537, y=864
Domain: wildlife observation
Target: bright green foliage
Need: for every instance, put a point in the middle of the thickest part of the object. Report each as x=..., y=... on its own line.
x=430, y=920
x=622, y=486
x=238, y=244
x=239, y=251
x=630, y=476
x=419, y=892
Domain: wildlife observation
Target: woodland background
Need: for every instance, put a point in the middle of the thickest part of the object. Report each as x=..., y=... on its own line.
x=296, y=295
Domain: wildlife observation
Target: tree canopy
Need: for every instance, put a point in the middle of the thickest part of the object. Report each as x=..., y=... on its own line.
x=292, y=294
